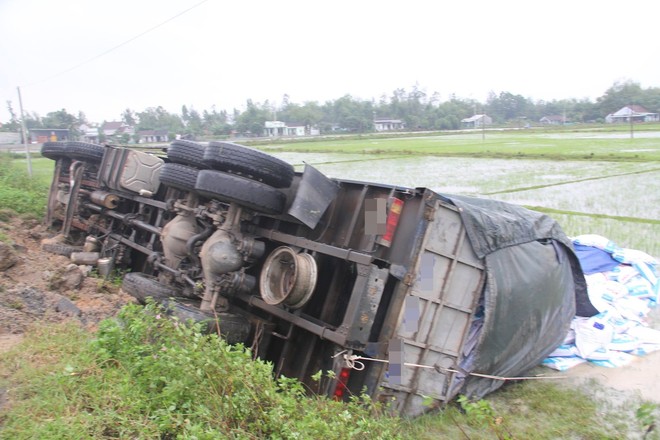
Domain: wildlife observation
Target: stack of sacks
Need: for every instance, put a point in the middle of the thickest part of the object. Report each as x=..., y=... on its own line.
x=623, y=285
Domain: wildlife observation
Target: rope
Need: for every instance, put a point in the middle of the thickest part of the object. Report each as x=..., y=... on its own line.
x=259, y=333
x=354, y=362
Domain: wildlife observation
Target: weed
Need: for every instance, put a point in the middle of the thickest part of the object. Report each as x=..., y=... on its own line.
x=481, y=414
x=533, y=409
x=646, y=417
x=4, y=238
x=111, y=283
x=144, y=376
x=14, y=304
x=7, y=214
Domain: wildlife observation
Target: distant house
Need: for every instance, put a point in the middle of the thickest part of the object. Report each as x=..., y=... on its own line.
x=114, y=129
x=151, y=136
x=388, y=124
x=553, y=120
x=7, y=137
x=279, y=128
x=41, y=135
x=634, y=113
x=336, y=128
x=90, y=133
x=476, y=121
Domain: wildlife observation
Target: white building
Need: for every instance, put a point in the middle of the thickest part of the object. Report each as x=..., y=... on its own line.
x=634, y=112
x=279, y=128
x=476, y=121
x=387, y=124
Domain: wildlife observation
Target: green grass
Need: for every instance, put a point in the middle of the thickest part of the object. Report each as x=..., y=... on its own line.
x=528, y=144
x=542, y=410
x=21, y=193
x=143, y=376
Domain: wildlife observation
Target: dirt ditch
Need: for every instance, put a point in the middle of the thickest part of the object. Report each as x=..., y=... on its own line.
x=42, y=287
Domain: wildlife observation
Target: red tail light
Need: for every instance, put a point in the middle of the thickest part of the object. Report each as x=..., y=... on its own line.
x=342, y=383
x=396, y=206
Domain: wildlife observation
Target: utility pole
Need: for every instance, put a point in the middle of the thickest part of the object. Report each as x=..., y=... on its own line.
x=25, y=143
x=631, y=121
x=483, y=126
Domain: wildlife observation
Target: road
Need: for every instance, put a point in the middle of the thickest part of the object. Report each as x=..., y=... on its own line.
x=19, y=148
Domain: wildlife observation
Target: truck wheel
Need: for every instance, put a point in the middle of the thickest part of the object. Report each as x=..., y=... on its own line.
x=142, y=286
x=85, y=151
x=249, y=193
x=233, y=328
x=61, y=248
x=54, y=150
x=248, y=162
x=187, y=153
x=179, y=176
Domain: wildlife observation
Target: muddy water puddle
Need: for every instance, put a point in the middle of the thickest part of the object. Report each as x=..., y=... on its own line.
x=638, y=380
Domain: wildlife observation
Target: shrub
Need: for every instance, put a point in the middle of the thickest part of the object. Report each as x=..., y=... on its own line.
x=147, y=376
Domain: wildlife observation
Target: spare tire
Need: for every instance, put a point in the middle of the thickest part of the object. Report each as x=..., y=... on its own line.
x=54, y=150
x=248, y=162
x=249, y=193
x=85, y=151
x=187, y=153
x=233, y=328
x=142, y=286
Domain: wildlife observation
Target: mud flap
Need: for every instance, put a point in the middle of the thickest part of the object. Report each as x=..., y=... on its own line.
x=314, y=195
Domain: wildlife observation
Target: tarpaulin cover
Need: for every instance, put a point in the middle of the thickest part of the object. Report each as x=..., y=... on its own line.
x=534, y=287
x=593, y=260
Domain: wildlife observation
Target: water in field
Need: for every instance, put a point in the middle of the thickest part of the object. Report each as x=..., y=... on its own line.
x=628, y=193
x=601, y=135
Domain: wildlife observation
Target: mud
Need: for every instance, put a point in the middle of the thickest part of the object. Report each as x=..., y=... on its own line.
x=640, y=379
x=40, y=287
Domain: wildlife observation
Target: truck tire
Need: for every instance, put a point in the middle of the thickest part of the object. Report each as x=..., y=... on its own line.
x=54, y=150
x=85, y=151
x=249, y=193
x=142, y=286
x=187, y=153
x=233, y=328
x=61, y=249
x=248, y=162
x=179, y=176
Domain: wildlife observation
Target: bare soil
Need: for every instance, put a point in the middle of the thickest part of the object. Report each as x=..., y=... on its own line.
x=41, y=287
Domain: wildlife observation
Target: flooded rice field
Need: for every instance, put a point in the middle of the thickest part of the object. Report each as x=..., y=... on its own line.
x=619, y=200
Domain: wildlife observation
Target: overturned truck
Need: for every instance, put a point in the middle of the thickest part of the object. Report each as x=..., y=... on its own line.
x=404, y=293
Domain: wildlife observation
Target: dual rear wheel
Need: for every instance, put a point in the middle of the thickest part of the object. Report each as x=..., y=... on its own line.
x=230, y=173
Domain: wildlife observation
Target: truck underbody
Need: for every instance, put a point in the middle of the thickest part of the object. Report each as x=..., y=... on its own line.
x=381, y=285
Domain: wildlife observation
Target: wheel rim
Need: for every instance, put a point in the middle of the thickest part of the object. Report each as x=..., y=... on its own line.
x=288, y=278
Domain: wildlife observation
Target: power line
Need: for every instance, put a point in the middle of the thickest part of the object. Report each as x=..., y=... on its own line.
x=117, y=46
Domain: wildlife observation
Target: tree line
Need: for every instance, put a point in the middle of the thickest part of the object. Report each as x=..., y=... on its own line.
x=416, y=108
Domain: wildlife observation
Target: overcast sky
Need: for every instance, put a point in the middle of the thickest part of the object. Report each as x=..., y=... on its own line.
x=224, y=52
